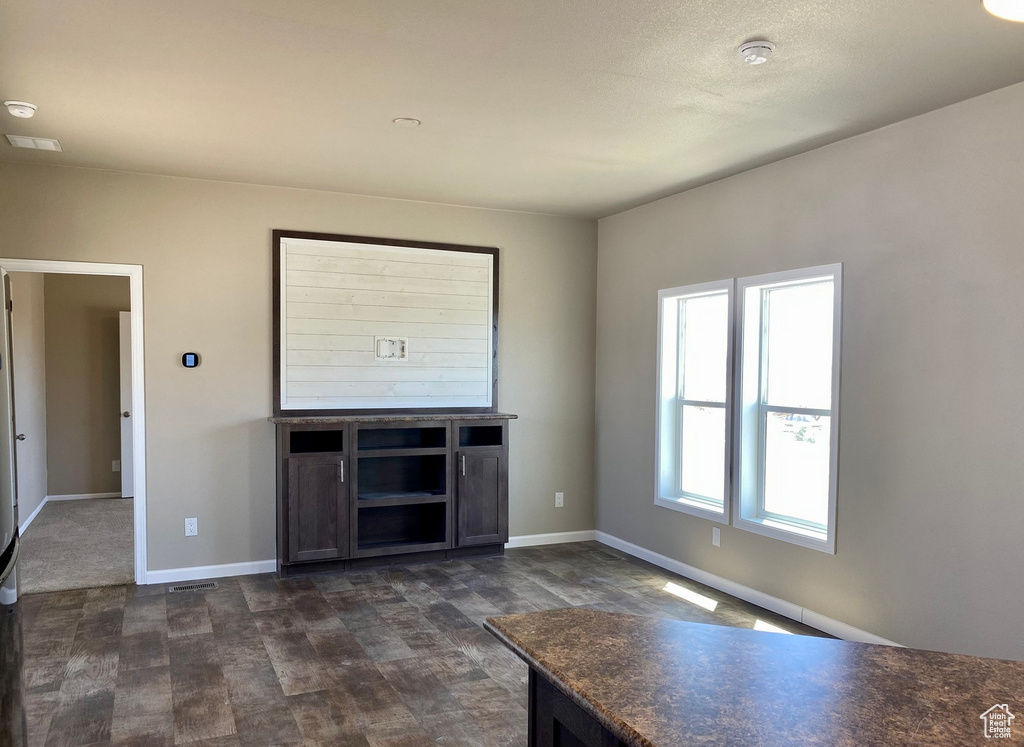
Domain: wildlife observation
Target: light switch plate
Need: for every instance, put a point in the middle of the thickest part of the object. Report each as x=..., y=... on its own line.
x=716, y=536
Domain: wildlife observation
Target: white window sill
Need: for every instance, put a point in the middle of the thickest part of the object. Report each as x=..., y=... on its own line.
x=802, y=536
x=693, y=508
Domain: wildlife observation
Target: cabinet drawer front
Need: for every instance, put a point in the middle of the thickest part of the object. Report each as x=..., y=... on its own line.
x=317, y=510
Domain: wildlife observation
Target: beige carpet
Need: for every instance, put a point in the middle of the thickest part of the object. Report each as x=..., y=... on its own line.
x=78, y=545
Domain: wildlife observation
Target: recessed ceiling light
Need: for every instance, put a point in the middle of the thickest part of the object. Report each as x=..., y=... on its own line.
x=1008, y=10
x=34, y=143
x=406, y=122
x=21, y=109
x=756, y=52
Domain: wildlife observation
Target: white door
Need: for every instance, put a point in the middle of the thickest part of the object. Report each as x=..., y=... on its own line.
x=8, y=469
x=28, y=340
x=127, y=467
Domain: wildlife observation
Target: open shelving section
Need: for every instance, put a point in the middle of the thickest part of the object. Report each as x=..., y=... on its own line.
x=355, y=490
x=402, y=487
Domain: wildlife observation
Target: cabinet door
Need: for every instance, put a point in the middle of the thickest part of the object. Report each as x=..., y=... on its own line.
x=483, y=496
x=317, y=508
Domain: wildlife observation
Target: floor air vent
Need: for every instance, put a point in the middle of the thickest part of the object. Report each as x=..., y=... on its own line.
x=193, y=587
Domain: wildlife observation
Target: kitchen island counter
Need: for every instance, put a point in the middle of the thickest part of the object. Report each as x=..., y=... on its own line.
x=600, y=679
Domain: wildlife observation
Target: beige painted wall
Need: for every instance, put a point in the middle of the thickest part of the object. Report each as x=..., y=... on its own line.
x=29, y=335
x=926, y=215
x=83, y=384
x=205, y=247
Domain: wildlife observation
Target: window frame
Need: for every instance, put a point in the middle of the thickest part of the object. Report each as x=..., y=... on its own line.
x=669, y=409
x=751, y=413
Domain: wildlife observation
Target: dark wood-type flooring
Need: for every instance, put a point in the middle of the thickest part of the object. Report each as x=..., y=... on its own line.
x=395, y=656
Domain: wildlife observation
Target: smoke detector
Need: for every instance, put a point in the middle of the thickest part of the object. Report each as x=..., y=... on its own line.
x=21, y=109
x=756, y=52
x=407, y=122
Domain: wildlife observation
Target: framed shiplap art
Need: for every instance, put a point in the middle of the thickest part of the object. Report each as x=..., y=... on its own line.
x=375, y=325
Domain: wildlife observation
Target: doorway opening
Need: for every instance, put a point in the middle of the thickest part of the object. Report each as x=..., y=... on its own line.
x=77, y=362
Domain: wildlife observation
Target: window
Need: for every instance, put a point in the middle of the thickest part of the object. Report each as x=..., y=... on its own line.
x=788, y=414
x=782, y=440
x=694, y=383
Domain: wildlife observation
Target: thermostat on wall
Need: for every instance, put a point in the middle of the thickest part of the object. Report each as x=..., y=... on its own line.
x=191, y=360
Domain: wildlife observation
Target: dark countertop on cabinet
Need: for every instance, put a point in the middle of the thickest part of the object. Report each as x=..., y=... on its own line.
x=654, y=682
x=387, y=418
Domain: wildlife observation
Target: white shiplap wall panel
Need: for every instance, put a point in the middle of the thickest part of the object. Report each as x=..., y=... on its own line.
x=373, y=402
x=360, y=342
x=384, y=298
x=313, y=279
x=462, y=361
x=345, y=327
x=337, y=296
x=305, y=374
x=385, y=314
x=386, y=389
x=444, y=271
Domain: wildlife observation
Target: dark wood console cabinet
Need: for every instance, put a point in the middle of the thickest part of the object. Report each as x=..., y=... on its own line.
x=362, y=490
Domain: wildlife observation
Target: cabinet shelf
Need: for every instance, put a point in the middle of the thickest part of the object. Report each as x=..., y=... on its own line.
x=386, y=548
x=402, y=474
x=381, y=526
x=401, y=499
x=377, y=453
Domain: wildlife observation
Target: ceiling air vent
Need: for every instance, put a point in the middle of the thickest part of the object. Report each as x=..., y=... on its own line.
x=34, y=143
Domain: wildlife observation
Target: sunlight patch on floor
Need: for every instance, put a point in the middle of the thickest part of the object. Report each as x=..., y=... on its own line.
x=691, y=596
x=767, y=627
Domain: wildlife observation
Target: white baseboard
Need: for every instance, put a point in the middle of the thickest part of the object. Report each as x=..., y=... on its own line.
x=554, y=538
x=779, y=606
x=174, y=575
x=194, y=573
x=82, y=496
x=31, y=517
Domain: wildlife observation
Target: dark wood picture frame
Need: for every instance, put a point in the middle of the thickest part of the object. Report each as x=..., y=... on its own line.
x=279, y=234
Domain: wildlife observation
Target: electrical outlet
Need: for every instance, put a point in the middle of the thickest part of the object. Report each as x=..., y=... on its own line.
x=716, y=536
x=192, y=527
x=115, y=466
x=559, y=500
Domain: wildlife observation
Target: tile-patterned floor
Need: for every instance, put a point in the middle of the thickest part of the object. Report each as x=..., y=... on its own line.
x=372, y=658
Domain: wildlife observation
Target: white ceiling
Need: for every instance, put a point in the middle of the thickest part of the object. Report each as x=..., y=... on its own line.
x=582, y=107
